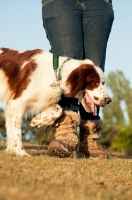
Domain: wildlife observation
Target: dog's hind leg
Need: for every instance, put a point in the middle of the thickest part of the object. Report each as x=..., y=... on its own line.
x=13, y=127
x=48, y=116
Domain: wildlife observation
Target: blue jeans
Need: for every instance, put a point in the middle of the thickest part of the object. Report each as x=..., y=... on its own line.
x=78, y=29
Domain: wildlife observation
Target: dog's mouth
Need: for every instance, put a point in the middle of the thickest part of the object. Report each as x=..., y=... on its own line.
x=88, y=104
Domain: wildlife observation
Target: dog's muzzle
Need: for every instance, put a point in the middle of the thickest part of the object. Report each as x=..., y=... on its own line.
x=108, y=100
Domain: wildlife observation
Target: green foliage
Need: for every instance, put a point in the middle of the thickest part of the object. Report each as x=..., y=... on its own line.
x=29, y=134
x=35, y=134
x=123, y=140
x=122, y=92
x=41, y=135
x=117, y=117
x=108, y=134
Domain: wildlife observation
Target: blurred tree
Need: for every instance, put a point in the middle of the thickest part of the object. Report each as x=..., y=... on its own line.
x=33, y=134
x=28, y=133
x=118, y=114
x=122, y=92
x=123, y=141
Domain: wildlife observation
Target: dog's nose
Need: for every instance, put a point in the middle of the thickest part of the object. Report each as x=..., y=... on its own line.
x=108, y=100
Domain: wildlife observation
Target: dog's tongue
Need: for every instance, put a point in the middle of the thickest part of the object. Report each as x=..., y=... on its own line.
x=90, y=103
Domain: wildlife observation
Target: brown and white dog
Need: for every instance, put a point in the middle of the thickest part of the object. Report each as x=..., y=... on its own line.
x=28, y=82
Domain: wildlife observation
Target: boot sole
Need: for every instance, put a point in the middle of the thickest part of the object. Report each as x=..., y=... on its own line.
x=58, y=153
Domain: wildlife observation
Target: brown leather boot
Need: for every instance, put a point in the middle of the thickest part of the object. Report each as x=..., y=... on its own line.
x=89, y=139
x=66, y=135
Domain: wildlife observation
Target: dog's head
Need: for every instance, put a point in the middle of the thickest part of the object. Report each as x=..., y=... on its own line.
x=87, y=84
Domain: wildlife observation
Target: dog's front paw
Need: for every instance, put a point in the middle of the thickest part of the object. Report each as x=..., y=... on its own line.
x=41, y=120
x=48, y=117
x=38, y=121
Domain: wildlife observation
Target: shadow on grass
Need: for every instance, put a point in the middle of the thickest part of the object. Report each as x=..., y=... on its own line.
x=36, y=150
x=120, y=156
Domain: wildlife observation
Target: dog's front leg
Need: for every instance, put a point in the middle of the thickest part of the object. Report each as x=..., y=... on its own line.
x=13, y=127
x=48, y=116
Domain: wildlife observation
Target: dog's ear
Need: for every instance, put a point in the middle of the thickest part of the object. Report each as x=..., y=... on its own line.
x=80, y=78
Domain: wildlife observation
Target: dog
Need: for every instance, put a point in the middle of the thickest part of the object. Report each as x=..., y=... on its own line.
x=28, y=82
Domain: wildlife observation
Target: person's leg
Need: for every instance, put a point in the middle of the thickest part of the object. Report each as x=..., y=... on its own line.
x=97, y=23
x=62, y=20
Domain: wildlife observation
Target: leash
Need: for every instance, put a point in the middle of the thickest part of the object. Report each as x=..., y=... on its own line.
x=55, y=67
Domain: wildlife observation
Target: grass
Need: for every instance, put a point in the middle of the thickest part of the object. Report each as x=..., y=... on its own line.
x=41, y=177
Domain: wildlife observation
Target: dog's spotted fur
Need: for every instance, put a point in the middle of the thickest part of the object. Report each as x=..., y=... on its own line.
x=26, y=83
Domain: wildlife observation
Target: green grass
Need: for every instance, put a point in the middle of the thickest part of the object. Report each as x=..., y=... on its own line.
x=41, y=177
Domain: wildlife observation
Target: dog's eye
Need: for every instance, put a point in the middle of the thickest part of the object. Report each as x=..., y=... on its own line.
x=95, y=83
x=92, y=84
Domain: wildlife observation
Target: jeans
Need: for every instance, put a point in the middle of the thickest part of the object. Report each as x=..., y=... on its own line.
x=78, y=29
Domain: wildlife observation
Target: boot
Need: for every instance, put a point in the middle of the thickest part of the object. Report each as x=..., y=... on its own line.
x=89, y=139
x=66, y=140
